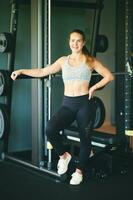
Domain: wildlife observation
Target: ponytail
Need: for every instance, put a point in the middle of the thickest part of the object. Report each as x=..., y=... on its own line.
x=86, y=51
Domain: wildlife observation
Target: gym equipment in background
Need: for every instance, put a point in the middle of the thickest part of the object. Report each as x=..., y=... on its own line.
x=99, y=139
x=5, y=81
x=6, y=42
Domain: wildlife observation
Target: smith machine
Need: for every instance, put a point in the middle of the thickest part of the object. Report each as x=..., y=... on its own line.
x=42, y=152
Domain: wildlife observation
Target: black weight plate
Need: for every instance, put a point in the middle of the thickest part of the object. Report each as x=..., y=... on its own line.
x=4, y=121
x=5, y=42
x=4, y=82
x=101, y=43
x=100, y=112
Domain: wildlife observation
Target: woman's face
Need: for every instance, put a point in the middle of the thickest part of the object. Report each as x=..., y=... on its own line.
x=76, y=42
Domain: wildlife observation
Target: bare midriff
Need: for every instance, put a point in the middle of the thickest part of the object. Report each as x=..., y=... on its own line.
x=76, y=88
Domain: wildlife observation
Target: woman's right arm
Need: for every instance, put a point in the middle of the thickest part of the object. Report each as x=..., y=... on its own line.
x=39, y=72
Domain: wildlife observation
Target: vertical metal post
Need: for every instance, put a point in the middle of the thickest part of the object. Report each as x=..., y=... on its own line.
x=120, y=66
x=93, y=33
x=127, y=78
x=49, y=85
x=96, y=25
x=40, y=83
x=47, y=92
x=37, y=85
x=128, y=49
x=45, y=80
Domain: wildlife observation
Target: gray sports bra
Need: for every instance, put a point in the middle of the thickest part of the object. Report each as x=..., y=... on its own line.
x=81, y=72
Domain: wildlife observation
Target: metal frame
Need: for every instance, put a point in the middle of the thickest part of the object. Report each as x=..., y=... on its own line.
x=40, y=84
x=47, y=100
x=128, y=79
x=78, y=4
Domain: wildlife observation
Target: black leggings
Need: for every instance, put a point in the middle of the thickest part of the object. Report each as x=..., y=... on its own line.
x=73, y=108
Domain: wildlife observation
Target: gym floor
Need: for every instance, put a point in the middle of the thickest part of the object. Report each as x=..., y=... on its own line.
x=18, y=183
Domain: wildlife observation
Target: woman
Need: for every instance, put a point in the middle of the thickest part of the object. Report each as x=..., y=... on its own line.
x=76, y=73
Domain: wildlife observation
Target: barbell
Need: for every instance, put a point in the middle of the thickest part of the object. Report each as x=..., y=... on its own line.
x=5, y=79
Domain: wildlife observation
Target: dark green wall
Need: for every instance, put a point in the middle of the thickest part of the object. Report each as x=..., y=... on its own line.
x=20, y=133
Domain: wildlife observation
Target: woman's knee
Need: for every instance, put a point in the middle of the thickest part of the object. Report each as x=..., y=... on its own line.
x=50, y=129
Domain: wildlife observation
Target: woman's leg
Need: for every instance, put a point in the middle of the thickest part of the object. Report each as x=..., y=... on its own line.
x=85, y=117
x=62, y=119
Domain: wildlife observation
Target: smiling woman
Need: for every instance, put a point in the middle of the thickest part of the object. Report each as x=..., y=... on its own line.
x=76, y=42
x=76, y=72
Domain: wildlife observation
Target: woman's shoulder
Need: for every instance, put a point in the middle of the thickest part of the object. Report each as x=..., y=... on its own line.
x=90, y=62
x=62, y=59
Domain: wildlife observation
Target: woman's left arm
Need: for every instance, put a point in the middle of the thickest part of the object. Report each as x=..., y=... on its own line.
x=104, y=72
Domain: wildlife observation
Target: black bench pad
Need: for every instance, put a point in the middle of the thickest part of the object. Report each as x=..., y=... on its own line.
x=97, y=136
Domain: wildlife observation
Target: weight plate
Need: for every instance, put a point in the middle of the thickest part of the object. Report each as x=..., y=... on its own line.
x=101, y=43
x=100, y=112
x=4, y=120
x=4, y=82
x=5, y=42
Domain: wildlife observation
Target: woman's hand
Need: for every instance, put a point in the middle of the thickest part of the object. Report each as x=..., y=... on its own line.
x=15, y=74
x=91, y=91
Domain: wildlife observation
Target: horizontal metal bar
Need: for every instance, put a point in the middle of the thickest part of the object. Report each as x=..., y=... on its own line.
x=30, y=77
x=120, y=73
x=21, y=2
x=60, y=75
x=49, y=172
x=73, y=4
x=96, y=74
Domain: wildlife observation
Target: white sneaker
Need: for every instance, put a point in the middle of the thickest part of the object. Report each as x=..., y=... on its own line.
x=76, y=178
x=62, y=165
